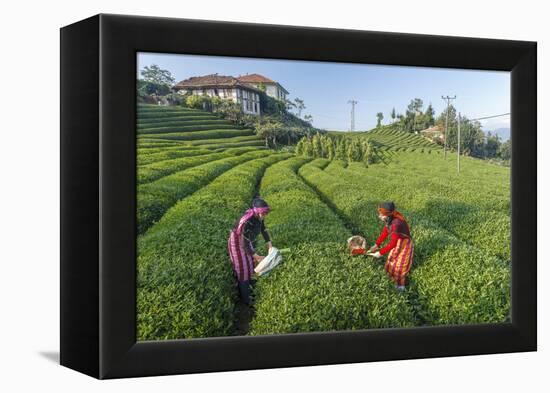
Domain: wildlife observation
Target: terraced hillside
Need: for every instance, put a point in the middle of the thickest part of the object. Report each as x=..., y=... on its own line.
x=193, y=185
x=387, y=138
x=161, y=126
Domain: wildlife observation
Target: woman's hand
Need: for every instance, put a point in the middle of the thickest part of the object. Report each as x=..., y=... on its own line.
x=269, y=246
x=376, y=254
x=374, y=248
x=257, y=259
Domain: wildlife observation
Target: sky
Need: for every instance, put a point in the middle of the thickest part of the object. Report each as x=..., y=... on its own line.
x=326, y=87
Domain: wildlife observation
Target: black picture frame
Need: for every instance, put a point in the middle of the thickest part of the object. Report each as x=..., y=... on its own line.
x=98, y=195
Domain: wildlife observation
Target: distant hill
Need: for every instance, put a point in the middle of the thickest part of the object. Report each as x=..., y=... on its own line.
x=503, y=133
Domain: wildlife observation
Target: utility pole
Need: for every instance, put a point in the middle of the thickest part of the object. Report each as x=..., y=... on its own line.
x=458, y=149
x=448, y=99
x=353, y=103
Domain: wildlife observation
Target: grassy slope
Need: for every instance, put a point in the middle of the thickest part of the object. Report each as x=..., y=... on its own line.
x=170, y=306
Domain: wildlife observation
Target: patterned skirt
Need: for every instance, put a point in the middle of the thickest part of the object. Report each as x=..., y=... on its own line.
x=400, y=260
x=242, y=262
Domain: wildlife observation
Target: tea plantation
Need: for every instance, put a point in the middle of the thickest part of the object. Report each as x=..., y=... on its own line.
x=198, y=173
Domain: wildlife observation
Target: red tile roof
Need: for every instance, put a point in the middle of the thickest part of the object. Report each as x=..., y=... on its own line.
x=255, y=78
x=213, y=80
x=434, y=129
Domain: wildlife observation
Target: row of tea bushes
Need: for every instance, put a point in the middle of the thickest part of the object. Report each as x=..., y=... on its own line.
x=156, y=170
x=448, y=287
x=318, y=287
x=185, y=284
x=202, y=135
x=153, y=199
x=475, y=213
x=186, y=126
x=146, y=158
x=163, y=164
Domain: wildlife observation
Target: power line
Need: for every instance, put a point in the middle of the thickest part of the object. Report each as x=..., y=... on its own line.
x=490, y=117
x=353, y=103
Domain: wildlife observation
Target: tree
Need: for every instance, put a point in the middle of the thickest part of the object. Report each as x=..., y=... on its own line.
x=145, y=88
x=227, y=108
x=300, y=147
x=308, y=118
x=505, y=150
x=331, y=152
x=197, y=101
x=354, y=152
x=393, y=115
x=379, y=118
x=492, y=145
x=289, y=104
x=428, y=117
x=300, y=106
x=472, y=137
x=317, y=146
x=367, y=153
x=451, y=132
x=341, y=149
x=154, y=74
x=270, y=131
x=308, y=148
x=413, y=110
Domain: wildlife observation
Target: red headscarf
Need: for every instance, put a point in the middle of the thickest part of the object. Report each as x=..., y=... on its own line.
x=391, y=213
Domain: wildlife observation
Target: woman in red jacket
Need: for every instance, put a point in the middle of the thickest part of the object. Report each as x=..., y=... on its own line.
x=400, y=249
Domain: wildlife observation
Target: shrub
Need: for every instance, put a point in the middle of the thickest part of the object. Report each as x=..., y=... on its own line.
x=446, y=269
x=185, y=285
x=155, y=198
x=318, y=287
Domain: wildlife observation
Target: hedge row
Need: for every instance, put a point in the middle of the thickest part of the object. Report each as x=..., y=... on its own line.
x=319, y=287
x=162, y=165
x=201, y=135
x=155, y=198
x=259, y=145
x=451, y=281
x=475, y=212
x=198, y=126
x=156, y=170
x=185, y=285
x=176, y=120
x=144, y=158
x=237, y=139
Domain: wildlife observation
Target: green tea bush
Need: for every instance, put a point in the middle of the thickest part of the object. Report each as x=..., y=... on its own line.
x=227, y=145
x=153, y=199
x=475, y=211
x=144, y=159
x=201, y=126
x=185, y=285
x=179, y=121
x=446, y=270
x=318, y=287
x=156, y=170
x=196, y=135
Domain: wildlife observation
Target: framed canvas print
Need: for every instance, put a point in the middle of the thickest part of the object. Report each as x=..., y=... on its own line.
x=239, y=196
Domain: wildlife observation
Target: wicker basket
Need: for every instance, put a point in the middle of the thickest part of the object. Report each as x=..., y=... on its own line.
x=357, y=245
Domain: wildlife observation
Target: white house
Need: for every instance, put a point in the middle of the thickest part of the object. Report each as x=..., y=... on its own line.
x=224, y=87
x=244, y=89
x=272, y=88
x=435, y=133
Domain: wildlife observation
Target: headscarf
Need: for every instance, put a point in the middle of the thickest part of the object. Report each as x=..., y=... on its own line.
x=254, y=210
x=388, y=209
